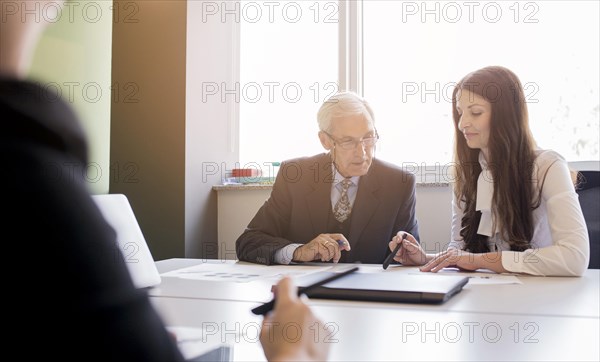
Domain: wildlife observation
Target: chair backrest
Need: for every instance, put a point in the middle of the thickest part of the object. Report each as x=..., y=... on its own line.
x=589, y=199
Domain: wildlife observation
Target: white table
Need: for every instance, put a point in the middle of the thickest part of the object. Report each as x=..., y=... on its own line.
x=541, y=319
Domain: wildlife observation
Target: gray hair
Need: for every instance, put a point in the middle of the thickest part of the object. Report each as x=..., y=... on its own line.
x=343, y=104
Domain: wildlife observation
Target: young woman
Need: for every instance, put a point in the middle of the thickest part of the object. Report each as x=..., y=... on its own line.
x=514, y=207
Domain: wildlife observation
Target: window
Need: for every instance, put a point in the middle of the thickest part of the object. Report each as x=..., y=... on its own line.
x=414, y=52
x=410, y=54
x=288, y=67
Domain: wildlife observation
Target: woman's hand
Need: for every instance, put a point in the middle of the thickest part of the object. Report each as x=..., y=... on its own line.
x=410, y=253
x=465, y=261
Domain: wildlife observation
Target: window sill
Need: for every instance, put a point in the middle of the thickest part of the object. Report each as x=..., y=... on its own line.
x=247, y=187
x=242, y=187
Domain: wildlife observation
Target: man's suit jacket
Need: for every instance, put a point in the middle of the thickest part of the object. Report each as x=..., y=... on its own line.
x=300, y=206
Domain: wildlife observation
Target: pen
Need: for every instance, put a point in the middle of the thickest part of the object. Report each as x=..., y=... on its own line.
x=267, y=307
x=389, y=258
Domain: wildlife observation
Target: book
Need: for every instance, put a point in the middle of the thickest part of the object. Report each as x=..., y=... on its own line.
x=245, y=172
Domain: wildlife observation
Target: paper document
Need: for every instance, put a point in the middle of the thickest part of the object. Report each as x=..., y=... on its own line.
x=241, y=273
x=479, y=277
x=497, y=279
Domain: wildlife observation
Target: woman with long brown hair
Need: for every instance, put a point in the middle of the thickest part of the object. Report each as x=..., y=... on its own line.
x=515, y=208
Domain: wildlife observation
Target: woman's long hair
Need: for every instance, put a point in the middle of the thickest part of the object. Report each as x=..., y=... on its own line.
x=511, y=161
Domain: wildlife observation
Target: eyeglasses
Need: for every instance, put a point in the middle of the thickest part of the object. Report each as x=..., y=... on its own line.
x=350, y=144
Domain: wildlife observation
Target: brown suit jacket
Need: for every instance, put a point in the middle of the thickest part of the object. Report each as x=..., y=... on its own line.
x=300, y=203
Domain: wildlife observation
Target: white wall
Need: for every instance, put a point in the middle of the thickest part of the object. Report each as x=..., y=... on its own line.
x=434, y=213
x=237, y=208
x=211, y=128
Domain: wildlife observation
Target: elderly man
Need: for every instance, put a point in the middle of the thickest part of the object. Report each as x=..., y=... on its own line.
x=340, y=206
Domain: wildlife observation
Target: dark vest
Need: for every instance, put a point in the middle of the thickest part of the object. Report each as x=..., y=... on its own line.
x=334, y=226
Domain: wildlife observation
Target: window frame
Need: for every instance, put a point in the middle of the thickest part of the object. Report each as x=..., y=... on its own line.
x=350, y=77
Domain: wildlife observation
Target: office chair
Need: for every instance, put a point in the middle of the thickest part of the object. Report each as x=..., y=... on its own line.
x=589, y=199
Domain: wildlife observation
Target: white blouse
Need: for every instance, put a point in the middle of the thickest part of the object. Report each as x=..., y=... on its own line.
x=560, y=243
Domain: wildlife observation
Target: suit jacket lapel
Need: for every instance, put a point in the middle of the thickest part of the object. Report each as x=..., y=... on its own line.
x=318, y=197
x=364, y=207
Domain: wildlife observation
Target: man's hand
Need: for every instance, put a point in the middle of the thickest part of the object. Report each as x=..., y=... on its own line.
x=324, y=247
